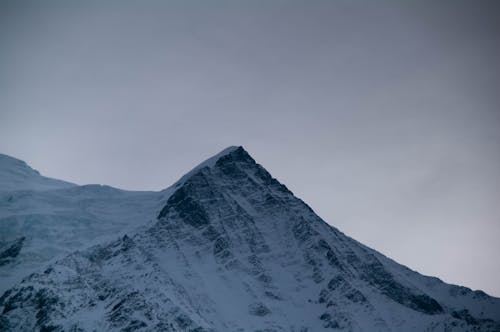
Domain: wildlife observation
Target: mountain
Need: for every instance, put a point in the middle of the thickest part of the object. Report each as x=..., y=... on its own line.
x=16, y=175
x=43, y=218
x=232, y=249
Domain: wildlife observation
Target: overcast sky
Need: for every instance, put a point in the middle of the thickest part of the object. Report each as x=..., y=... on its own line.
x=383, y=116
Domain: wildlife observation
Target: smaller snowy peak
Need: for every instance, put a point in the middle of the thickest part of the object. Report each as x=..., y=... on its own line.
x=8, y=163
x=16, y=175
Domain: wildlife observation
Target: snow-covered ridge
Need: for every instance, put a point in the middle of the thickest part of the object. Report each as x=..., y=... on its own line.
x=16, y=175
x=229, y=248
x=55, y=217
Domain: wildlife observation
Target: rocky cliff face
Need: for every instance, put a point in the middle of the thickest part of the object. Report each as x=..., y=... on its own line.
x=233, y=249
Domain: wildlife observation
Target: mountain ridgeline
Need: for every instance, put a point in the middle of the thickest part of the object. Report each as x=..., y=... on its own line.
x=226, y=248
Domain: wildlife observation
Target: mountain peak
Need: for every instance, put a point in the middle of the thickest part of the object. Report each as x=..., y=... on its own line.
x=233, y=249
x=229, y=153
x=232, y=152
x=231, y=172
x=235, y=154
x=16, y=174
x=8, y=162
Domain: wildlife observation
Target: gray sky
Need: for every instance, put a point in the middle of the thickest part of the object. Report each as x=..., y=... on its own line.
x=383, y=116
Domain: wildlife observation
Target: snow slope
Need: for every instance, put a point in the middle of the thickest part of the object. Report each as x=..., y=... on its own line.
x=42, y=218
x=232, y=249
x=16, y=175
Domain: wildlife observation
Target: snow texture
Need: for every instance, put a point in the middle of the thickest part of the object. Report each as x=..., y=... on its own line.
x=226, y=248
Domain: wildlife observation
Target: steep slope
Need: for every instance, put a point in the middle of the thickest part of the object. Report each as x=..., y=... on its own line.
x=233, y=250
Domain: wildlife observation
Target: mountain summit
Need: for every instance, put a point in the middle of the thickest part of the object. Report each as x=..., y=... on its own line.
x=232, y=249
x=15, y=174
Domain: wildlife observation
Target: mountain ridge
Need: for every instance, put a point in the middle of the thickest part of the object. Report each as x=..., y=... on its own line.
x=230, y=230
x=16, y=174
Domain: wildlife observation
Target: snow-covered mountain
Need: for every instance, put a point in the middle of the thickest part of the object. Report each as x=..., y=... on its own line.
x=42, y=218
x=232, y=249
x=16, y=175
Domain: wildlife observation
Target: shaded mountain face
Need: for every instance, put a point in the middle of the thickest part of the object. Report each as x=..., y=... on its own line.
x=232, y=249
